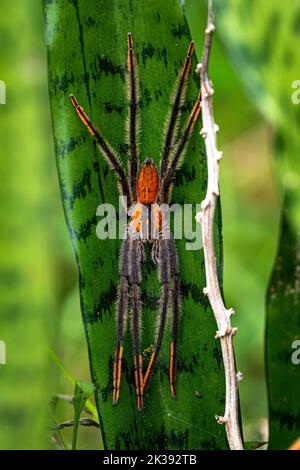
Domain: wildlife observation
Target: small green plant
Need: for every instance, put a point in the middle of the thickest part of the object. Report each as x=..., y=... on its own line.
x=81, y=402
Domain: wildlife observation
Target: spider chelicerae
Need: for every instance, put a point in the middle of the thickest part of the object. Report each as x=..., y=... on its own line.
x=146, y=186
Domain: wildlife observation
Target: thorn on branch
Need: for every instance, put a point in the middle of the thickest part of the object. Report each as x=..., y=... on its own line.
x=199, y=68
x=239, y=377
x=204, y=205
x=221, y=333
x=199, y=217
x=205, y=291
x=220, y=419
x=210, y=29
x=227, y=330
x=230, y=312
x=203, y=133
x=206, y=217
x=216, y=191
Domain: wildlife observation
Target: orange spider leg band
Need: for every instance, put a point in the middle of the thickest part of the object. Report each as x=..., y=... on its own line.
x=130, y=54
x=146, y=378
x=83, y=116
x=188, y=60
x=138, y=374
x=117, y=374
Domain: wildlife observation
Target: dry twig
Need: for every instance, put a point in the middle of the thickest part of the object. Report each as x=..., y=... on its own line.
x=206, y=218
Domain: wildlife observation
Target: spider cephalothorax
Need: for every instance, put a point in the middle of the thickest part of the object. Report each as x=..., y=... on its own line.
x=147, y=188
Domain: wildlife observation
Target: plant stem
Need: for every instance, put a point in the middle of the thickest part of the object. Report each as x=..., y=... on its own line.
x=206, y=218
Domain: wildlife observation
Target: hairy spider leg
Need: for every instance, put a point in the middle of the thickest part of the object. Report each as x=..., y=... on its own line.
x=178, y=154
x=110, y=155
x=133, y=121
x=175, y=309
x=177, y=102
x=136, y=255
x=122, y=313
x=164, y=277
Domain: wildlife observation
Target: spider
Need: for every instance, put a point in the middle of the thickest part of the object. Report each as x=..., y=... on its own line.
x=146, y=185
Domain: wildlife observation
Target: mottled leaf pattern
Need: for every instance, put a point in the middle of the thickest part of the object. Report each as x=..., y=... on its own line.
x=283, y=329
x=87, y=56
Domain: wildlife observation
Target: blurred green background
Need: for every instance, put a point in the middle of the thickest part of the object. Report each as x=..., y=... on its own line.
x=39, y=302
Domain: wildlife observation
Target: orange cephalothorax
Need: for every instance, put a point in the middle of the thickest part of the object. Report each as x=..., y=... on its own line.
x=157, y=217
x=147, y=183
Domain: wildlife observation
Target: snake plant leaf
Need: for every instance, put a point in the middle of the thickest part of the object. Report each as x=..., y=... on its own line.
x=253, y=445
x=283, y=339
x=262, y=39
x=87, y=56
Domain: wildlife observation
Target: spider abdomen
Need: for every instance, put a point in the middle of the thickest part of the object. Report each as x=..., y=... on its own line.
x=147, y=183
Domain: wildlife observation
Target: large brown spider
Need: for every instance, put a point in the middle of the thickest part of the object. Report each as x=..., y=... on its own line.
x=146, y=186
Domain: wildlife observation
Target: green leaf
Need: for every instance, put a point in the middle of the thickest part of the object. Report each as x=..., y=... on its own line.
x=82, y=392
x=80, y=401
x=263, y=52
x=89, y=405
x=283, y=340
x=87, y=56
x=253, y=445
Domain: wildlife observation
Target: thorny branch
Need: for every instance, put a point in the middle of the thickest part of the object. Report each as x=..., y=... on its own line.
x=206, y=218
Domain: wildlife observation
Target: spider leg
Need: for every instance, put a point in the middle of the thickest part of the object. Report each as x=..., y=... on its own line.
x=164, y=277
x=136, y=253
x=177, y=101
x=176, y=305
x=122, y=311
x=110, y=155
x=133, y=117
x=155, y=252
x=167, y=178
